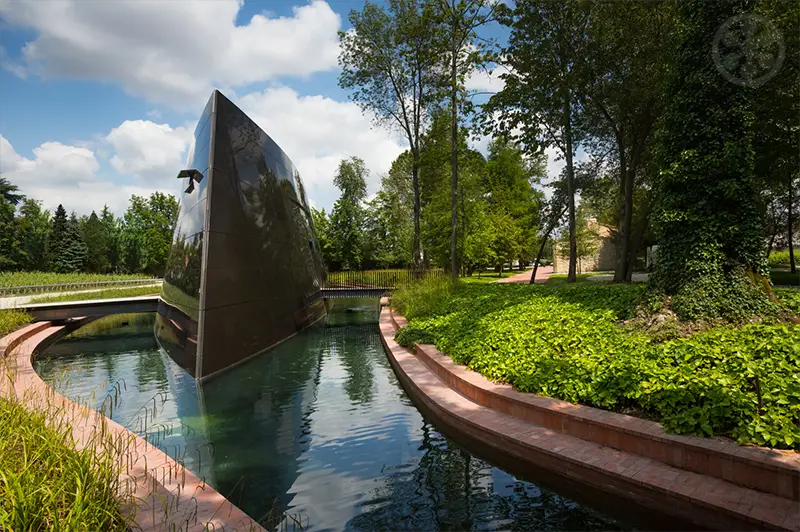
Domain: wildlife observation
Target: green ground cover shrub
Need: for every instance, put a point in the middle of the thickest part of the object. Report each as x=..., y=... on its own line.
x=11, y=320
x=11, y=279
x=110, y=293
x=45, y=484
x=567, y=341
x=779, y=259
x=790, y=297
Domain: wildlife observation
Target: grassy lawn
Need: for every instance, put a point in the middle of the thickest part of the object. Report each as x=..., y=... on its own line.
x=567, y=341
x=111, y=293
x=489, y=277
x=12, y=279
x=561, y=278
x=45, y=484
x=784, y=277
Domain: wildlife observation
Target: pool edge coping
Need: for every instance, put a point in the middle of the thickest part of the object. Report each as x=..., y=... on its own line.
x=390, y=322
x=194, y=504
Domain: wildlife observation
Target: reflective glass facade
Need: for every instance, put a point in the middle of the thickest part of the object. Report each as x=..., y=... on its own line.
x=244, y=270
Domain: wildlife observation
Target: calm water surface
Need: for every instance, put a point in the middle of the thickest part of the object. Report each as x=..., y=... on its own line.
x=318, y=428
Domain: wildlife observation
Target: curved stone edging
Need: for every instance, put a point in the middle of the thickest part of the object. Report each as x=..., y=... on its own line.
x=708, y=501
x=154, y=480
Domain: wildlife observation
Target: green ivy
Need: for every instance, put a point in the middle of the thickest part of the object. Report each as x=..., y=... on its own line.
x=708, y=221
x=567, y=342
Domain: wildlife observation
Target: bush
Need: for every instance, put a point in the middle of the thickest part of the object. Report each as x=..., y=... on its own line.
x=565, y=341
x=790, y=298
x=779, y=259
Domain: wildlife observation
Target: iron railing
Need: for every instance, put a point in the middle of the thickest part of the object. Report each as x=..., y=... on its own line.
x=387, y=279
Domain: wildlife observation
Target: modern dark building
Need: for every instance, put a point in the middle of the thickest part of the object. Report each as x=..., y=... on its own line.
x=244, y=271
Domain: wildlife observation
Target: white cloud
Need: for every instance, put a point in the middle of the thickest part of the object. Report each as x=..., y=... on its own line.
x=53, y=163
x=68, y=175
x=152, y=152
x=486, y=80
x=317, y=132
x=172, y=52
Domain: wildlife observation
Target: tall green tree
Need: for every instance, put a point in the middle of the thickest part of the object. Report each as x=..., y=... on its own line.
x=9, y=243
x=435, y=167
x=622, y=101
x=33, y=230
x=389, y=64
x=58, y=235
x=539, y=105
x=389, y=226
x=347, y=216
x=709, y=212
x=111, y=236
x=465, y=52
x=509, y=183
x=70, y=249
x=777, y=108
x=322, y=228
x=93, y=234
x=147, y=232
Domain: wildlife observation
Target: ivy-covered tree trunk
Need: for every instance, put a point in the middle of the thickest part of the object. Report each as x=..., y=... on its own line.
x=790, y=228
x=708, y=216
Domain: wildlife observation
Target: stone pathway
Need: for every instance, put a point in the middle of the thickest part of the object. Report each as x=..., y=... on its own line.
x=542, y=275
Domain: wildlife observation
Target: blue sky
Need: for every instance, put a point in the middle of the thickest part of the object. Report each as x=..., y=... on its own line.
x=98, y=99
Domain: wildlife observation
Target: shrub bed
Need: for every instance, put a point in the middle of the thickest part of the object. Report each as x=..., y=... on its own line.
x=566, y=341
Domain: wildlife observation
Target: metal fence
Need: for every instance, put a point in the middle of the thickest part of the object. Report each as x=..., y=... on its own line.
x=387, y=279
x=6, y=291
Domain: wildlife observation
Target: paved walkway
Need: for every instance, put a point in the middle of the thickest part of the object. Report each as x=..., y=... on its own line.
x=542, y=275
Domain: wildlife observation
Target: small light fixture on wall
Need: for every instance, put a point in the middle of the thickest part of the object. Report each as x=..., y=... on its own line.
x=194, y=175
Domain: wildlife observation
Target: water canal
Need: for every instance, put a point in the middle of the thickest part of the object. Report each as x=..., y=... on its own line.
x=318, y=429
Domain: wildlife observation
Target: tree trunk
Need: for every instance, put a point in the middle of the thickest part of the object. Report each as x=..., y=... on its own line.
x=623, y=272
x=453, y=165
x=789, y=227
x=417, y=258
x=573, y=242
x=538, y=258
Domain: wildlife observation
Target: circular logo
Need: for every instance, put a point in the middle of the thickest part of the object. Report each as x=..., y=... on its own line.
x=748, y=50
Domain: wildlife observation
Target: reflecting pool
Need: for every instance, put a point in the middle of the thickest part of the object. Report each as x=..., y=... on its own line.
x=317, y=429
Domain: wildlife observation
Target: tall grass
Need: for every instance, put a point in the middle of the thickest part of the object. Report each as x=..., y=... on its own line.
x=111, y=293
x=10, y=279
x=11, y=320
x=423, y=297
x=45, y=483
